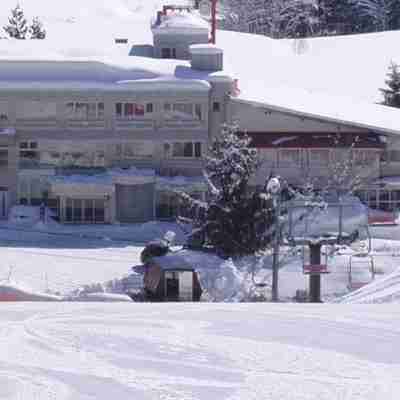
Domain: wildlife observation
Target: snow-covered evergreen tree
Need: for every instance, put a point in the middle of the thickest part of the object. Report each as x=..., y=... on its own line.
x=17, y=27
x=234, y=220
x=392, y=92
x=36, y=29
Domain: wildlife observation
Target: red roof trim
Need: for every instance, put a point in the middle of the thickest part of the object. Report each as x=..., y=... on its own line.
x=315, y=140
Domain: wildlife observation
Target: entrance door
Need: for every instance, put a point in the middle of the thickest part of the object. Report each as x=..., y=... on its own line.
x=85, y=211
x=171, y=286
x=3, y=204
x=135, y=203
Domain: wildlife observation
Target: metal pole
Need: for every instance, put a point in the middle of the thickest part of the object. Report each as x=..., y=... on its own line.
x=275, y=259
x=213, y=21
x=315, y=279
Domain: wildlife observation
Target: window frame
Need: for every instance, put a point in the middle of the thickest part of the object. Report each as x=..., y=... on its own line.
x=71, y=114
x=173, y=107
x=145, y=107
x=170, y=149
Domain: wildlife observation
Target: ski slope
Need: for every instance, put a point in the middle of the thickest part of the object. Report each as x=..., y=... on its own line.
x=204, y=351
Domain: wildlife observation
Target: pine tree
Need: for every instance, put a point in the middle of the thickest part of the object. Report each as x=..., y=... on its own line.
x=17, y=27
x=36, y=29
x=300, y=19
x=391, y=94
x=234, y=220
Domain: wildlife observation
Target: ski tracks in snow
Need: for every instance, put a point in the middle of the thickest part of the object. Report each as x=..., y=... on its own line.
x=205, y=351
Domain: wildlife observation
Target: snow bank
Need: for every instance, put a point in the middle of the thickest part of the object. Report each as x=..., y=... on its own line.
x=383, y=290
x=221, y=280
x=102, y=297
x=321, y=222
x=11, y=291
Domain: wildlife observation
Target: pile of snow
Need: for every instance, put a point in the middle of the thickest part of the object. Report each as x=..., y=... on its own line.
x=221, y=280
x=383, y=290
x=181, y=20
x=24, y=215
x=322, y=221
x=12, y=291
x=102, y=297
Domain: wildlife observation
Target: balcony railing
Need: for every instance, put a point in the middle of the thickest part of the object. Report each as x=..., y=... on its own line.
x=36, y=123
x=134, y=123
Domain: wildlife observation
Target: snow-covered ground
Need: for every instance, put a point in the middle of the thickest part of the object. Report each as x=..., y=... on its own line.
x=205, y=351
x=62, y=259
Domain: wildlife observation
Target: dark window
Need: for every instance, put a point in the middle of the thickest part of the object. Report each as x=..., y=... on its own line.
x=149, y=107
x=188, y=149
x=99, y=210
x=197, y=149
x=88, y=210
x=216, y=106
x=30, y=155
x=166, y=53
x=3, y=158
x=33, y=145
x=173, y=53
x=77, y=210
x=68, y=210
x=23, y=145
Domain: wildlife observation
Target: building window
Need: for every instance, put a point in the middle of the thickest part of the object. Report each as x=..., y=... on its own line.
x=183, y=149
x=36, y=109
x=3, y=112
x=132, y=150
x=289, y=157
x=84, y=111
x=216, y=106
x=84, y=211
x=167, y=52
x=364, y=157
x=183, y=111
x=3, y=157
x=132, y=110
x=319, y=156
x=29, y=152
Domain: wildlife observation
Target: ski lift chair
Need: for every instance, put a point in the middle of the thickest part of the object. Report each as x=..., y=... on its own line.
x=360, y=264
x=315, y=269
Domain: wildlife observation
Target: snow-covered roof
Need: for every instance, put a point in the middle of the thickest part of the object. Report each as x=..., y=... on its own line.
x=205, y=49
x=180, y=20
x=333, y=78
x=325, y=107
x=172, y=261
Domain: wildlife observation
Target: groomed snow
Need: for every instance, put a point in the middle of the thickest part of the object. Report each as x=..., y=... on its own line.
x=199, y=352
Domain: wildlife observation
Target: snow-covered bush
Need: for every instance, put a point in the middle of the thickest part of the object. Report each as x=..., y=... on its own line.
x=391, y=93
x=17, y=27
x=36, y=29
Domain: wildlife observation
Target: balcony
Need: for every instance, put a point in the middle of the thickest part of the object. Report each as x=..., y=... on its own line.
x=134, y=123
x=182, y=124
x=37, y=123
x=76, y=123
